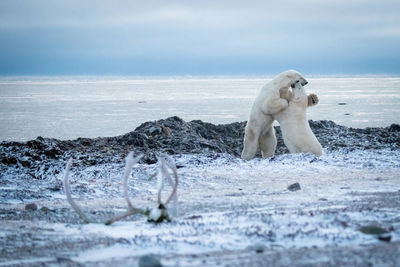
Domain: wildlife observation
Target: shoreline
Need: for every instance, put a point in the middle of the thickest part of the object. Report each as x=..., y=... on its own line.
x=176, y=136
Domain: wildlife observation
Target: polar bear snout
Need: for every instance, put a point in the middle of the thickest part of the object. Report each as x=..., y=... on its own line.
x=302, y=81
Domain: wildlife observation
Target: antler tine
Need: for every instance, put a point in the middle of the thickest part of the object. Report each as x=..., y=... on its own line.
x=129, y=162
x=164, y=164
x=68, y=193
x=160, y=179
x=126, y=214
x=171, y=164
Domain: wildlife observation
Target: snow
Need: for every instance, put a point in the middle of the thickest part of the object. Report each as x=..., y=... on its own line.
x=27, y=261
x=118, y=251
x=226, y=204
x=230, y=204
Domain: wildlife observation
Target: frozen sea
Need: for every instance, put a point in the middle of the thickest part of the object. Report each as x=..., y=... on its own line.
x=71, y=107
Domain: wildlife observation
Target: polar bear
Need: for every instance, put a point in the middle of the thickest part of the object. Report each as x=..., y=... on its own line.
x=272, y=98
x=296, y=132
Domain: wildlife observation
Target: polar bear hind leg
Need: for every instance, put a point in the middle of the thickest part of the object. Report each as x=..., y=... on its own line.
x=250, y=143
x=267, y=142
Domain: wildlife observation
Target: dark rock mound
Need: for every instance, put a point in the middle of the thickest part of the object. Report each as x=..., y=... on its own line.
x=175, y=136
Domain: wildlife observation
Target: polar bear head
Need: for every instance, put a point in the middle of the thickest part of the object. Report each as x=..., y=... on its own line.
x=298, y=90
x=289, y=78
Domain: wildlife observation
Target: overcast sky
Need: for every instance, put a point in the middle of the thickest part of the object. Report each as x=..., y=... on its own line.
x=199, y=37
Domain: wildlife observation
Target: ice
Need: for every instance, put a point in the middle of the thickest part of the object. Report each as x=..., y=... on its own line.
x=72, y=107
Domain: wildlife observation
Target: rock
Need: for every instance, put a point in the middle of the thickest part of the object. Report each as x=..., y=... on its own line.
x=9, y=160
x=155, y=130
x=166, y=130
x=373, y=230
x=65, y=261
x=45, y=209
x=394, y=128
x=149, y=261
x=194, y=217
x=31, y=207
x=385, y=238
x=294, y=187
x=258, y=247
x=52, y=153
x=37, y=144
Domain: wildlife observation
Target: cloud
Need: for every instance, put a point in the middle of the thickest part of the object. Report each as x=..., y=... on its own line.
x=195, y=32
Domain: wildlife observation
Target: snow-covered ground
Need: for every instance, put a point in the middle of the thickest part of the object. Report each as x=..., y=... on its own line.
x=231, y=212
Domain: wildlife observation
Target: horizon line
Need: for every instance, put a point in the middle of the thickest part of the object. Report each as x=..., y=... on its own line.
x=315, y=75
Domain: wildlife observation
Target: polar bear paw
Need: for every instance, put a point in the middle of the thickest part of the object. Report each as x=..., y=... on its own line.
x=312, y=100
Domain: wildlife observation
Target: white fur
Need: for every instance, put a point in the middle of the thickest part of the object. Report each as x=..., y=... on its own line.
x=296, y=132
x=259, y=132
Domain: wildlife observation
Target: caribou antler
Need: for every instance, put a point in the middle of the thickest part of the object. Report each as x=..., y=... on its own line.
x=68, y=193
x=158, y=214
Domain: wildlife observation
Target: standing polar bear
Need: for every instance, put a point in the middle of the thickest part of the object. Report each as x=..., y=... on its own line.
x=296, y=132
x=259, y=132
